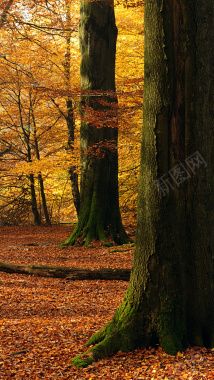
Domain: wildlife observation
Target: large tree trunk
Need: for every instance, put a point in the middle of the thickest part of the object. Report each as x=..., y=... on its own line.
x=200, y=291
x=170, y=299
x=99, y=201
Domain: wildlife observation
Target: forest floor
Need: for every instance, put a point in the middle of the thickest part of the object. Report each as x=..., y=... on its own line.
x=44, y=322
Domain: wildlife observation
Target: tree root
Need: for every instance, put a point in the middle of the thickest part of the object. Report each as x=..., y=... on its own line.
x=122, y=333
x=132, y=326
x=84, y=236
x=109, y=344
x=89, y=227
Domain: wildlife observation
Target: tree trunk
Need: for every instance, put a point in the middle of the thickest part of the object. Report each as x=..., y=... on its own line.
x=99, y=201
x=37, y=219
x=40, y=179
x=73, y=274
x=44, y=203
x=72, y=170
x=170, y=297
x=200, y=289
x=70, y=111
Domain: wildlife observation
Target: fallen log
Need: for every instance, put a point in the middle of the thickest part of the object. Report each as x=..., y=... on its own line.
x=119, y=274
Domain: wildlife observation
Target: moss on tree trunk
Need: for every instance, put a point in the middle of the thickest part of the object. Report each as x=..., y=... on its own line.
x=99, y=216
x=170, y=297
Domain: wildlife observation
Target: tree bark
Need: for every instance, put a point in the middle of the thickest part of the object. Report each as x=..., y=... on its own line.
x=26, y=130
x=200, y=289
x=72, y=170
x=68, y=273
x=44, y=203
x=99, y=200
x=170, y=299
x=40, y=179
x=70, y=120
x=35, y=211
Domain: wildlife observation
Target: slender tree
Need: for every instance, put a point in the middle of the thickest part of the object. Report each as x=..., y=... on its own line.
x=170, y=299
x=37, y=219
x=99, y=201
x=70, y=120
x=37, y=153
x=26, y=131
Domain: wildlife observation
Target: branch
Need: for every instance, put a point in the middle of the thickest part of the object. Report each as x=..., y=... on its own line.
x=5, y=151
x=28, y=73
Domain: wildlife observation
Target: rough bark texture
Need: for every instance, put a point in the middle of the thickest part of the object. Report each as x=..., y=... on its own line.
x=99, y=201
x=200, y=306
x=68, y=273
x=170, y=299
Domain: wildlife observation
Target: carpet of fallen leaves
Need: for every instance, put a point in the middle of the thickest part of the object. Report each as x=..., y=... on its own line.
x=44, y=322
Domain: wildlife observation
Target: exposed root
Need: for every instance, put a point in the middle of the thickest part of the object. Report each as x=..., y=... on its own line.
x=83, y=360
x=84, y=234
x=108, y=346
x=132, y=327
x=118, y=334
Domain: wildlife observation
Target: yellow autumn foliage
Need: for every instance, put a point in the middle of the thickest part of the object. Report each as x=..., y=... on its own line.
x=33, y=93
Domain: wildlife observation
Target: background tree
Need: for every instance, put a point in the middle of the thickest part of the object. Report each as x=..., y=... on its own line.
x=99, y=199
x=170, y=297
x=70, y=109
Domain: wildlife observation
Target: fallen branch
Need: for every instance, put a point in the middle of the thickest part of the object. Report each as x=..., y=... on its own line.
x=68, y=273
x=17, y=353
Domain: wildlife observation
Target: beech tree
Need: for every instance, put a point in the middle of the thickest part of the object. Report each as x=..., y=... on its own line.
x=99, y=215
x=170, y=297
